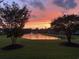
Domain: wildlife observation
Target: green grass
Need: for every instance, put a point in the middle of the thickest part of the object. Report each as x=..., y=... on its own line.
x=38, y=50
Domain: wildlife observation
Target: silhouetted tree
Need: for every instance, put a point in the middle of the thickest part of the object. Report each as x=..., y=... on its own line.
x=12, y=19
x=66, y=23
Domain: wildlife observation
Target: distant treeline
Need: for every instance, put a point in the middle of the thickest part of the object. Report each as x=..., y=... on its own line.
x=42, y=31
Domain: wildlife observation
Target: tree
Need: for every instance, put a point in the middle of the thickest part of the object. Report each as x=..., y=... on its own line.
x=68, y=24
x=12, y=20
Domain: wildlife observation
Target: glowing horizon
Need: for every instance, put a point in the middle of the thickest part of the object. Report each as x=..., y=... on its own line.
x=39, y=25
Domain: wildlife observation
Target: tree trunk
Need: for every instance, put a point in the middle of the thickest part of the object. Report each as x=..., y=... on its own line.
x=68, y=38
x=13, y=39
x=68, y=35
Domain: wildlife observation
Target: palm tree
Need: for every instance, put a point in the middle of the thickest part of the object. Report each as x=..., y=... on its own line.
x=13, y=19
x=66, y=23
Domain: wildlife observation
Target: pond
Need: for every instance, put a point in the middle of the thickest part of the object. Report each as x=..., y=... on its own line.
x=32, y=36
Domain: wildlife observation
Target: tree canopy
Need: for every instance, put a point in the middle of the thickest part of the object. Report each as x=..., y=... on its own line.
x=66, y=22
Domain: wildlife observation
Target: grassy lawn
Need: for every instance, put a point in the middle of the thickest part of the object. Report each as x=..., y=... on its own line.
x=38, y=50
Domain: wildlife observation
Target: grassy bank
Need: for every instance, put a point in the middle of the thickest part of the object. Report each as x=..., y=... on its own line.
x=38, y=50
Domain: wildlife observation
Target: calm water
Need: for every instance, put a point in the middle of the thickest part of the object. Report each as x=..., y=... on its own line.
x=39, y=37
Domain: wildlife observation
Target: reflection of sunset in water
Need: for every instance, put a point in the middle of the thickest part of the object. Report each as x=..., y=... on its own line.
x=39, y=37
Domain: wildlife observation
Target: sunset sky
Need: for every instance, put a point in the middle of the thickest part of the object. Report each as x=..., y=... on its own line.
x=45, y=11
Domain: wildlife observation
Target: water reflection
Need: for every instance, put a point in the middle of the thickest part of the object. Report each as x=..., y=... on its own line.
x=39, y=37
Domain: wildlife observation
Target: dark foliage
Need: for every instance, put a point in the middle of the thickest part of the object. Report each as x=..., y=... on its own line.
x=68, y=24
